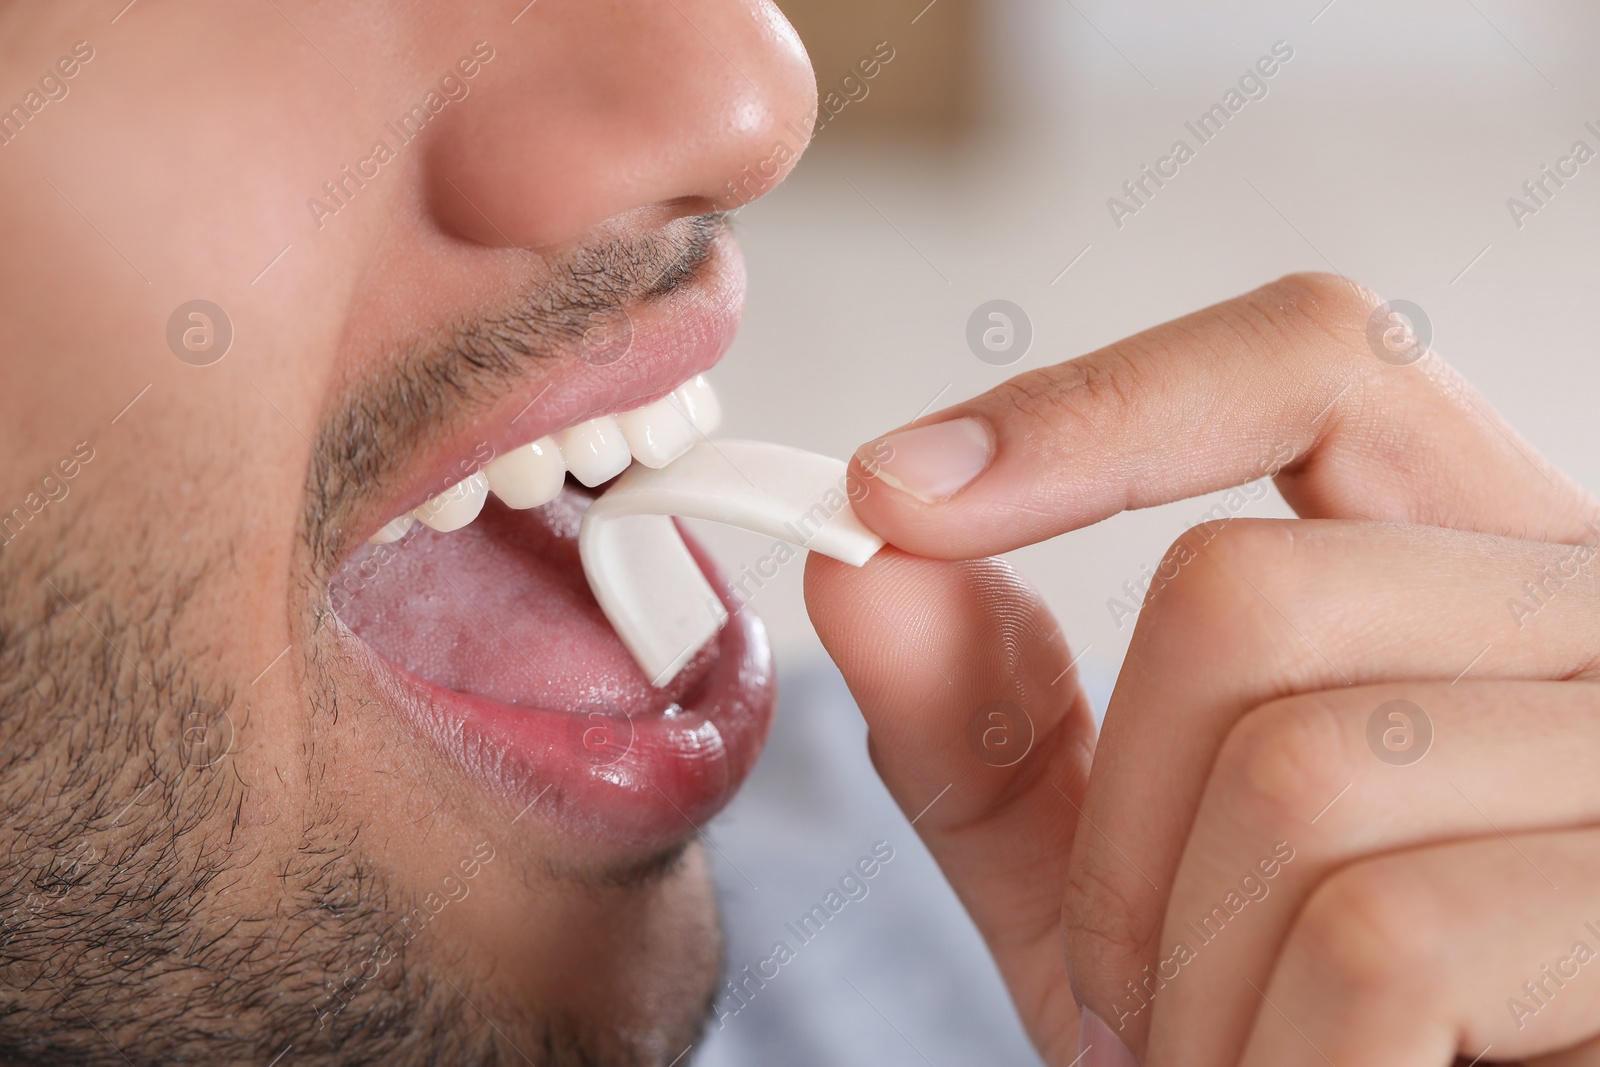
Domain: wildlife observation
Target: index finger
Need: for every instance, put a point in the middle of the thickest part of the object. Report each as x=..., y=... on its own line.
x=1282, y=382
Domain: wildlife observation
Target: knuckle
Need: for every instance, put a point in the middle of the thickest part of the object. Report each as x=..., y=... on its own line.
x=1273, y=324
x=1299, y=325
x=1257, y=549
x=1218, y=578
x=1283, y=761
x=1327, y=303
x=1372, y=927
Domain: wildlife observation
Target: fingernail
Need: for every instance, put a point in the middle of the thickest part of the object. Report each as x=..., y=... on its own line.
x=933, y=462
x=1099, y=1046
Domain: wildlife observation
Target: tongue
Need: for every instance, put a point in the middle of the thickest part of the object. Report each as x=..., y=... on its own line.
x=500, y=609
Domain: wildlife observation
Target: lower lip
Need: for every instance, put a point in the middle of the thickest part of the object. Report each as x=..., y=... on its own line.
x=645, y=782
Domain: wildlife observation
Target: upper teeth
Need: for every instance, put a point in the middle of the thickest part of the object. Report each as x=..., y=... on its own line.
x=594, y=452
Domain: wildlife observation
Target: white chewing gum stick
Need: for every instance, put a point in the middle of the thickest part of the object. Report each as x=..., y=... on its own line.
x=647, y=583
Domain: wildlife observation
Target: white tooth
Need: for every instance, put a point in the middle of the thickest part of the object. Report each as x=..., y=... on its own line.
x=392, y=531
x=529, y=476
x=456, y=506
x=657, y=433
x=697, y=400
x=595, y=451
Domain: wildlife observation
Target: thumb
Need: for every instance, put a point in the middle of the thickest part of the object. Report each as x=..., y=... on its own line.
x=982, y=734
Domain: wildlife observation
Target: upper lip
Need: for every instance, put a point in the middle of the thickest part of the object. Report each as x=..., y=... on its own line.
x=673, y=339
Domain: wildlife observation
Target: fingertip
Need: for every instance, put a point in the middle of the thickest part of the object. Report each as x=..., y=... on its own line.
x=933, y=462
x=906, y=630
x=821, y=586
x=839, y=596
x=1099, y=1045
x=912, y=476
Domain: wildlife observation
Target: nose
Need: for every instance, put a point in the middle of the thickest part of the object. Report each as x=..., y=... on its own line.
x=598, y=107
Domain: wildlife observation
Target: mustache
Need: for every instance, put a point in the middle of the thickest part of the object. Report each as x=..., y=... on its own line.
x=442, y=380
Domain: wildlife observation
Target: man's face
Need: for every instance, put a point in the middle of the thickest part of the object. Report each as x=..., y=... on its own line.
x=267, y=786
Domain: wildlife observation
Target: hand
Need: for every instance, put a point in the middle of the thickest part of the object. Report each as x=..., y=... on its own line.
x=1348, y=905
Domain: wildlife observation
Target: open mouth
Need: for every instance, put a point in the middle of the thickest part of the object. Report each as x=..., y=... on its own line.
x=479, y=622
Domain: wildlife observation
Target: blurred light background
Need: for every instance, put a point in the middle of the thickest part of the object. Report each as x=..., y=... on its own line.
x=978, y=165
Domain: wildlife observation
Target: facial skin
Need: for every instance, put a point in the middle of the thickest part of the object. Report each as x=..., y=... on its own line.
x=216, y=812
